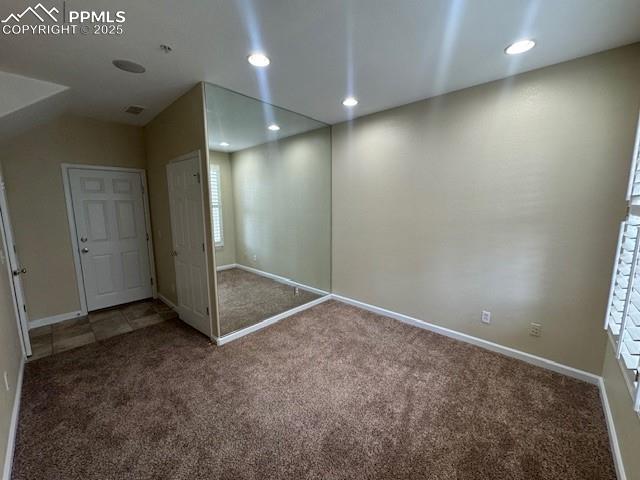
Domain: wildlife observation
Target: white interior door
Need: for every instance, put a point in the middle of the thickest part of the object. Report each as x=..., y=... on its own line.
x=108, y=208
x=15, y=270
x=187, y=229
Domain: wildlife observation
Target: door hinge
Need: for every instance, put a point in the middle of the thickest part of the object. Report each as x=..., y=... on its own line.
x=203, y=247
x=142, y=186
x=147, y=237
x=151, y=280
x=197, y=175
x=207, y=310
x=24, y=307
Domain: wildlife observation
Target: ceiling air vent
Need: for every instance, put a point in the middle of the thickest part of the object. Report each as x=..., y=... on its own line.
x=134, y=109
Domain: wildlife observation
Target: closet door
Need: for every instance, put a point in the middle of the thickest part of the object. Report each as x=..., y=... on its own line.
x=15, y=270
x=187, y=229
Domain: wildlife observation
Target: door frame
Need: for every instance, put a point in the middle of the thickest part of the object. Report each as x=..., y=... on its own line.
x=74, y=233
x=203, y=197
x=8, y=242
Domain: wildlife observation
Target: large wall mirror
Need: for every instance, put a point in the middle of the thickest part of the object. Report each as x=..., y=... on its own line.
x=270, y=189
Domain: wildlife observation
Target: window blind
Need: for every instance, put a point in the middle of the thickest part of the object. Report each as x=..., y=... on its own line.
x=216, y=205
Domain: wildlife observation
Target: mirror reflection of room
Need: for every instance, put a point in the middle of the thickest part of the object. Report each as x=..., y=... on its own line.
x=270, y=189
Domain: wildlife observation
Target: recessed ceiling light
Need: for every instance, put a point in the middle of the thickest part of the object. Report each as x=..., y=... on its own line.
x=520, y=46
x=224, y=144
x=258, y=60
x=129, y=66
x=273, y=127
x=350, y=102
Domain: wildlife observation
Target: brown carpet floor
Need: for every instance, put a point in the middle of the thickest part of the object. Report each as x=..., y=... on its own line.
x=246, y=299
x=331, y=393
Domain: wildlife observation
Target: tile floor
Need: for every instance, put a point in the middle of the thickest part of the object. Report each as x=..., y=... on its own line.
x=97, y=326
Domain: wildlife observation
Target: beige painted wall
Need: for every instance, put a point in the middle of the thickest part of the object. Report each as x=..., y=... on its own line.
x=503, y=197
x=178, y=130
x=31, y=163
x=282, y=200
x=626, y=421
x=10, y=353
x=225, y=255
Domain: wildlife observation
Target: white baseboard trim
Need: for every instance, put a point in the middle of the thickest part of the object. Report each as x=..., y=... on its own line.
x=486, y=344
x=269, y=321
x=13, y=426
x=167, y=301
x=229, y=266
x=611, y=428
x=42, y=322
x=280, y=279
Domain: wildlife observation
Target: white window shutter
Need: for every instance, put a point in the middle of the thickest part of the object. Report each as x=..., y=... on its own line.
x=622, y=319
x=633, y=190
x=623, y=278
x=216, y=205
x=613, y=317
x=623, y=311
x=629, y=339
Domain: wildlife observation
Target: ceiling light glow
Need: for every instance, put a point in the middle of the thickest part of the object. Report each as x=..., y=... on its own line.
x=273, y=127
x=519, y=47
x=258, y=60
x=224, y=144
x=350, y=102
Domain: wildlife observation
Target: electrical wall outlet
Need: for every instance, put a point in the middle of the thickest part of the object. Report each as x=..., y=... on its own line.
x=486, y=317
x=535, y=330
x=254, y=257
x=6, y=382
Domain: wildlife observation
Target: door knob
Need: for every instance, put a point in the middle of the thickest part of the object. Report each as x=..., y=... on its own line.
x=85, y=250
x=174, y=253
x=18, y=272
x=83, y=239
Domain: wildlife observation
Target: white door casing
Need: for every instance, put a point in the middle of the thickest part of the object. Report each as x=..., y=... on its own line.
x=112, y=238
x=187, y=231
x=14, y=270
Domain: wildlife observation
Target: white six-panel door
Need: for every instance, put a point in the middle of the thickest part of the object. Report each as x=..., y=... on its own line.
x=187, y=228
x=108, y=208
